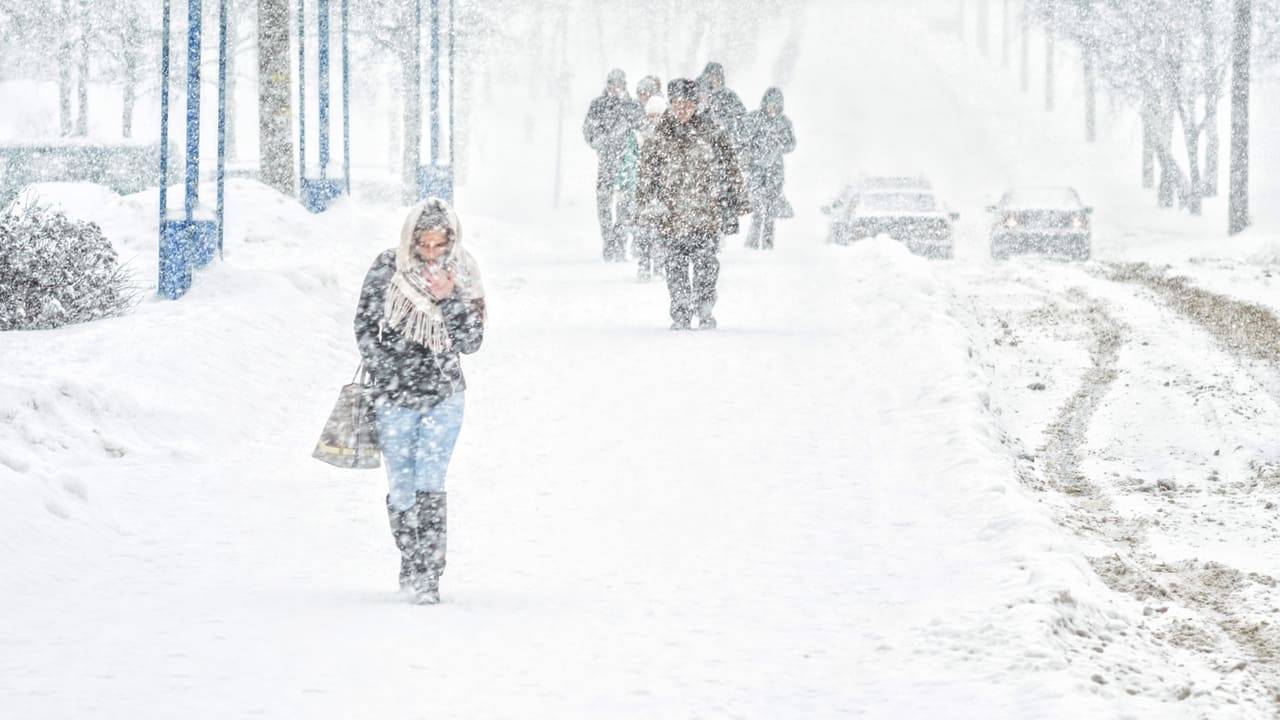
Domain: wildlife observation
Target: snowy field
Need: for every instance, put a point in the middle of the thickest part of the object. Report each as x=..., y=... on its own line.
x=886, y=487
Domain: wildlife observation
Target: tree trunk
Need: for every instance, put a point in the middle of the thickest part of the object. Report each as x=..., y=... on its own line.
x=411, y=91
x=233, y=43
x=1212, y=91
x=1238, y=201
x=1164, y=194
x=1148, y=153
x=1090, y=98
x=1170, y=175
x=1212, y=143
x=395, y=122
x=563, y=78
x=64, y=72
x=984, y=27
x=130, y=93
x=275, y=109
x=1048, y=66
x=1004, y=34
x=1191, y=136
x=1024, y=22
x=82, y=94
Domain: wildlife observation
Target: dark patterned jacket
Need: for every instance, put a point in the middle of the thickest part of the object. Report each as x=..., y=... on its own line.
x=610, y=122
x=690, y=171
x=404, y=372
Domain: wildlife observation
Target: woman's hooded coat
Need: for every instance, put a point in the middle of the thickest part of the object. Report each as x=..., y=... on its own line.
x=410, y=342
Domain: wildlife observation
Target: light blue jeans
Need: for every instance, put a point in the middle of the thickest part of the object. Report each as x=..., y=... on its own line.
x=416, y=447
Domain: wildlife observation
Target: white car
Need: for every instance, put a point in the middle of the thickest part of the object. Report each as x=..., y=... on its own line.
x=1047, y=220
x=912, y=215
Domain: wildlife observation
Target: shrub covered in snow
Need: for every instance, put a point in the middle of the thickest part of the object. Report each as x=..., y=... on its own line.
x=55, y=271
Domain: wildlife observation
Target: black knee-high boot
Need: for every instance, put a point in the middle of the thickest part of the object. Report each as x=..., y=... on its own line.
x=404, y=528
x=430, y=551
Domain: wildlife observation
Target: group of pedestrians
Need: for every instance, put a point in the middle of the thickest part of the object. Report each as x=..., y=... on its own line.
x=676, y=171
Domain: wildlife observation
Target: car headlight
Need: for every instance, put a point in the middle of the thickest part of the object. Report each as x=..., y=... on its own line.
x=1078, y=222
x=1011, y=222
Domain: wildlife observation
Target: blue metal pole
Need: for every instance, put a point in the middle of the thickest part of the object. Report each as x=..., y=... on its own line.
x=164, y=117
x=222, y=120
x=435, y=81
x=302, y=93
x=417, y=93
x=194, y=20
x=322, y=26
x=346, y=96
x=453, y=164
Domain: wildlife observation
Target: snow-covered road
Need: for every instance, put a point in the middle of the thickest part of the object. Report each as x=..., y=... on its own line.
x=846, y=501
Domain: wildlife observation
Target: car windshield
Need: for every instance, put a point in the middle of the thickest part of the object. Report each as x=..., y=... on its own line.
x=1043, y=198
x=894, y=183
x=898, y=202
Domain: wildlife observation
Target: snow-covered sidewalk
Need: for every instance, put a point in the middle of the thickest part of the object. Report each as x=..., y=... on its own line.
x=807, y=511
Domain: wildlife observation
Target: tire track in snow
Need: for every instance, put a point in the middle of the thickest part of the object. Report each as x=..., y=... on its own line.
x=1066, y=435
x=1247, y=331
x=1213, y=598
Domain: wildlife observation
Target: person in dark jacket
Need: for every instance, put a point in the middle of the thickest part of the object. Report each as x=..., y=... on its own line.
x=768, y=136
x=725, y=108
x=688, y=169
x=609, y=128
x=421, y=307
x=719, y=102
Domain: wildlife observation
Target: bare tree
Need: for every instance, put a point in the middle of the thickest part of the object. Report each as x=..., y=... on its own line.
x=1024, y=31
x=275, y=110
x=1049, y=51
x=64, y=71
x=984, y=26
x=1004, y=33
x=1242, y=37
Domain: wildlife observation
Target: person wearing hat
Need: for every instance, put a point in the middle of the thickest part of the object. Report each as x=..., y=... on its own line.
x=689, y=171
x=609, y=128
x=648, y=87
x=421, y=307
x=769, y=136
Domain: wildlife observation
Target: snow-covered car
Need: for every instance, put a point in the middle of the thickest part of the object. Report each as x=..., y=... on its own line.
x=874, y=183
x=1047, y=220
x=911, y=215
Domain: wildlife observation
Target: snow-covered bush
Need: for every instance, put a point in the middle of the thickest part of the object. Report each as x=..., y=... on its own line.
x=55, y=271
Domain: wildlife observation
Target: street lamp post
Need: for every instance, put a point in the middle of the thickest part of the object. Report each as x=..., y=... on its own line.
x=190, y=241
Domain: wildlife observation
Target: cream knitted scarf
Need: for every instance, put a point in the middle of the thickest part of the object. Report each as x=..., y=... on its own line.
x=409, y=307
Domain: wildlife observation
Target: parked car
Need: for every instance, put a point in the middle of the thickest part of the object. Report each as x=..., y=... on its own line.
x=873, y=183
x=1047, y=220
x=905, y=209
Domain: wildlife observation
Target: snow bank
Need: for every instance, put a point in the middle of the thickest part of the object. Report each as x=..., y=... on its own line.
x=175, y=382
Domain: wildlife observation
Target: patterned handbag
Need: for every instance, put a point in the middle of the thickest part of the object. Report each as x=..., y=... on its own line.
x=350, y=437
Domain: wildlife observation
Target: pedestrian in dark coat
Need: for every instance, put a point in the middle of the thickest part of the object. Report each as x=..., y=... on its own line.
x=725, y=108
x=768, y=136
x=421, y=307
x=609, y=128
x=723, y=105
x=690, y=171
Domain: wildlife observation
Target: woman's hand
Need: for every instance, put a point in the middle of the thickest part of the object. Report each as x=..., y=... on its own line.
x=440, y=283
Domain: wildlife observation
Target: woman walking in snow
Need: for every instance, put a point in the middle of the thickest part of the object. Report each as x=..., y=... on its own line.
x=421, y=306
